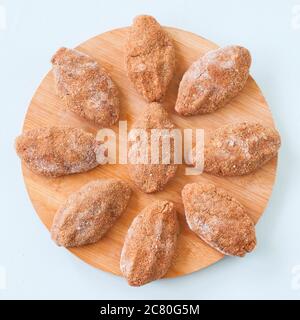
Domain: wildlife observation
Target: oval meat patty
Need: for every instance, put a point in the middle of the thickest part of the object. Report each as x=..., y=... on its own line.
x=218, y=219
x=90, y=212
x=240, y=148
x=213, y=80
x=153, y=177
x=149, y=58
x=85, y=87
x=57, y=151
x=150, y=244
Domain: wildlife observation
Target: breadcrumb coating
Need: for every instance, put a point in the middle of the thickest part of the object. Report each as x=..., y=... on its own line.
x=213, y=80
x=240, y=148
x=150, y=244
x=149, y=58
x=218, y=219
x=153, y=177
x=57, y=151
x=85, y=87
x=90, y=212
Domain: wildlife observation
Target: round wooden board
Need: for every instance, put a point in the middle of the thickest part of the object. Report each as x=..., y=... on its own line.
x=47, y=194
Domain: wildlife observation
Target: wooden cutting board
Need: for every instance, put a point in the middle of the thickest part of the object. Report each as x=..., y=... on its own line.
x=47, y=194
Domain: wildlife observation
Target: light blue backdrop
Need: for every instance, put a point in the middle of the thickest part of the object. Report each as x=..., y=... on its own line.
x=30, y=31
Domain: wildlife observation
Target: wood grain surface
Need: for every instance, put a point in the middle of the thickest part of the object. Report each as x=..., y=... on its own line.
x=47, y=194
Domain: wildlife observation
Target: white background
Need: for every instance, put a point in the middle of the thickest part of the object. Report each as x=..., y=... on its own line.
x=31, y=31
